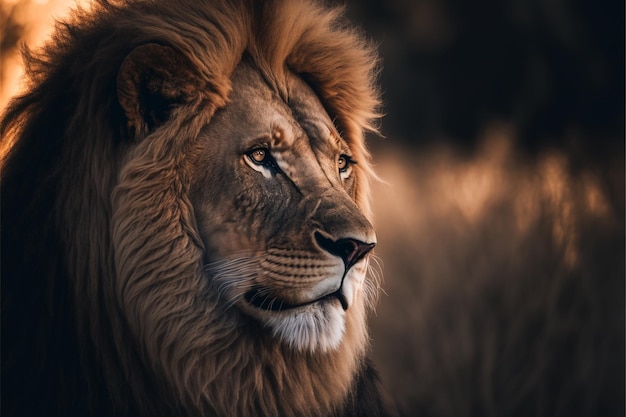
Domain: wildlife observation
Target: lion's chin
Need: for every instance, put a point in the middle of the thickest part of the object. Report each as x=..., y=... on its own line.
x=317, y=327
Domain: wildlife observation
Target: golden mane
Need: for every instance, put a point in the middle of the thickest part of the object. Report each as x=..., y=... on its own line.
x=71, y=182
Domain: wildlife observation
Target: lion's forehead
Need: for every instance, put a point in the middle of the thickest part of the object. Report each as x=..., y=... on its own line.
x=293, y=121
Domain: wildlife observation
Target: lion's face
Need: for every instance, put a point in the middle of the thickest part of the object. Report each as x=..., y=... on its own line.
x=274, y=193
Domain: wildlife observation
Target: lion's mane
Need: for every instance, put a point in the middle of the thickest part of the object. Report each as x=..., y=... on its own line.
x=82, y=209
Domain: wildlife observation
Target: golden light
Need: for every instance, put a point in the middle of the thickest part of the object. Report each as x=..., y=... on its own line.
x=35, y=20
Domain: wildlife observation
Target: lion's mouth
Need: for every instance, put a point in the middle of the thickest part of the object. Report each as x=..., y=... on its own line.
x=261, y=300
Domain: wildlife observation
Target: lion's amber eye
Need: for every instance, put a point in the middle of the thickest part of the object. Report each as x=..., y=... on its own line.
x=258, y=155
x=343, y=163
x=262, y=160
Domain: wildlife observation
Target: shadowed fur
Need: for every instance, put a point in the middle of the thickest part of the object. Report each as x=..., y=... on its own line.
x=136, y=221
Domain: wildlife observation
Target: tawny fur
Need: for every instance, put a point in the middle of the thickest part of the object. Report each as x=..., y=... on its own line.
x=101, y=208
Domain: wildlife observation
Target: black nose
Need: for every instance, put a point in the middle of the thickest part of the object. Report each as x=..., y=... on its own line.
x=348, y=249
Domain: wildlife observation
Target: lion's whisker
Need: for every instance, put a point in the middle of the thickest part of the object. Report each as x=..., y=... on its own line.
x=373, y=285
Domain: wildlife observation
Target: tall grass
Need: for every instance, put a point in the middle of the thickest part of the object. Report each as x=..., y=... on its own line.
x=505, y=283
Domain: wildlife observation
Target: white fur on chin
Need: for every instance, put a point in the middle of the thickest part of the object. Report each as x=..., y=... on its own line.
x=317, y=327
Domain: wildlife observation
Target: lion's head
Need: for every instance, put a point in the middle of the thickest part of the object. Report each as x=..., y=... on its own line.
x=273, y=192
x=190, y=183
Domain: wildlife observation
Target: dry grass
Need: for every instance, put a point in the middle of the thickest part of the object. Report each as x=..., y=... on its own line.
x=505, y=283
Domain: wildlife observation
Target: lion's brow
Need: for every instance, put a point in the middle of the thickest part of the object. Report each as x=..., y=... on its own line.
x=339, y=141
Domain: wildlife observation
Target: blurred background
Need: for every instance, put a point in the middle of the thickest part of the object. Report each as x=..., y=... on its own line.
x=501, y=216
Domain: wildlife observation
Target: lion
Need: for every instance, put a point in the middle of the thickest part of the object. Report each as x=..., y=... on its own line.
x=185, y=220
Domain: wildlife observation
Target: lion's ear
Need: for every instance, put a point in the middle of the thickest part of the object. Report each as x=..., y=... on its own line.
x=151, y=81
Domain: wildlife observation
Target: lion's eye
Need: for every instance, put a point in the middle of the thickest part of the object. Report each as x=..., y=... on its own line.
x=261, y=160
x=343, y=163
x=258, y=156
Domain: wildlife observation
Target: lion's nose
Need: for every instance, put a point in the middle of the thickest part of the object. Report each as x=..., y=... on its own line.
x=348, y=249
